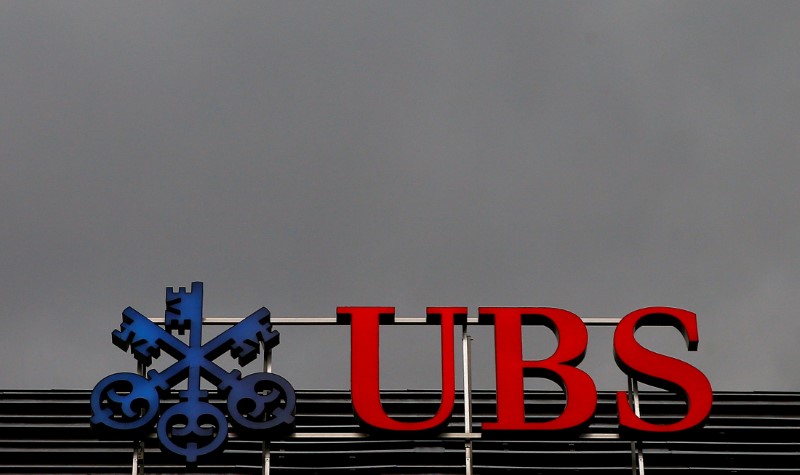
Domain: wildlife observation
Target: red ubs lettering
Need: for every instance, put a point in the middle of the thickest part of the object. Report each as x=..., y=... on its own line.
x=511, y=369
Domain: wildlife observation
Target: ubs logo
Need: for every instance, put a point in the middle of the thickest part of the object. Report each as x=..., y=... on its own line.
x=128, y=403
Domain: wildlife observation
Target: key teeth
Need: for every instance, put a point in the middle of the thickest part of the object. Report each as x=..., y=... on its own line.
x=248, y=349
x=267, y=335
x=126, y=338
x=144, y=352
x=183, y=306
x=173, y=304
x=177, y=323
x=122, y=338
x=270, y=337
x=245, y=352
x=173, y=318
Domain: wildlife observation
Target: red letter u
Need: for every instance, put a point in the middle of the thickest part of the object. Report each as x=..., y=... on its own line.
x=365, y=366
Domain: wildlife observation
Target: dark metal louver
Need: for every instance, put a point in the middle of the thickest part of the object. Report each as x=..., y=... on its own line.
x=48, y=432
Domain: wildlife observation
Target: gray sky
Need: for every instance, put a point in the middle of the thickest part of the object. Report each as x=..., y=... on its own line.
x=593, y=156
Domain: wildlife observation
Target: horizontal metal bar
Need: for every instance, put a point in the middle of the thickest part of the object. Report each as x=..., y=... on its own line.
x=599, y=435
x=601, y=321
x=362, y=435
x=459, y=435
x=328, y=435
x=593, y=321
x=355, y=435
x=304, y=320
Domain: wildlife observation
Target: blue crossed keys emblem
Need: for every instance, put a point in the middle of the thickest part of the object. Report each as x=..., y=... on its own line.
x=128, y=404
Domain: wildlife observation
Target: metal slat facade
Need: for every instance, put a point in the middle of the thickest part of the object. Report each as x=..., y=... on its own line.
x=48, y=432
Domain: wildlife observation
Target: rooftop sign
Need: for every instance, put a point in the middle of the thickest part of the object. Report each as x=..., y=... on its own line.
x=128, y=403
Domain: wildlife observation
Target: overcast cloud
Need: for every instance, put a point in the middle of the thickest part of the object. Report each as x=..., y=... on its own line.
x=593, y=156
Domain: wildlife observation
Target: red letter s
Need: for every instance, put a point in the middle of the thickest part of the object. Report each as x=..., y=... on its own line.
x=660, y=370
